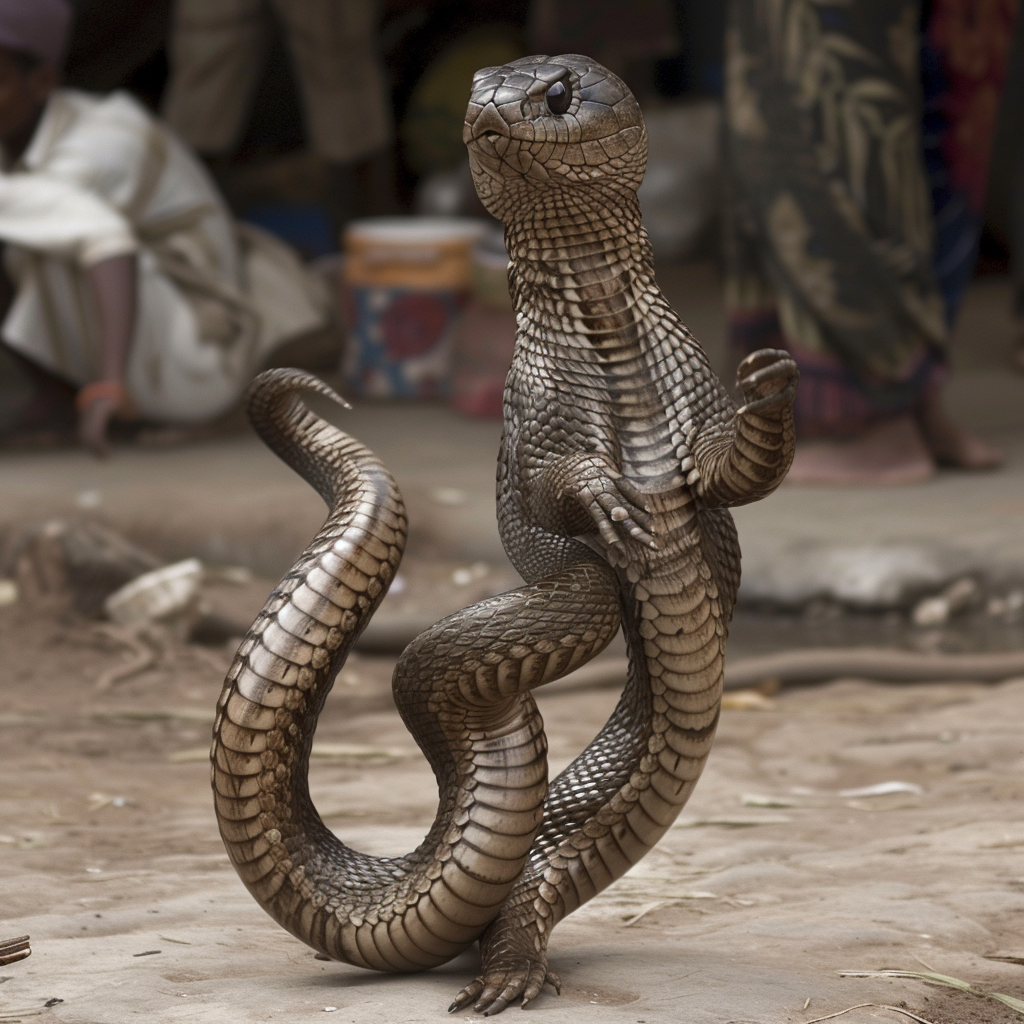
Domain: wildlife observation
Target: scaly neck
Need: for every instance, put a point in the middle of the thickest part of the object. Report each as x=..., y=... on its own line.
x=581, y=263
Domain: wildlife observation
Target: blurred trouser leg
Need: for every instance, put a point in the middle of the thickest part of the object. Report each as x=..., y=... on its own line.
x=346, y=100
x=217, y=53
x=829, y=241
x=341, y=78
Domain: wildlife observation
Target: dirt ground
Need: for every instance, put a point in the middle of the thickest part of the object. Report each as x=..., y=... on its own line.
x=773, y=881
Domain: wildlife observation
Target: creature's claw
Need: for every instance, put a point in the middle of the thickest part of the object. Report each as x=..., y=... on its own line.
x=767, y=378
x=618, y=509
x=467, y=995
x=519, y=978
x=615, y=514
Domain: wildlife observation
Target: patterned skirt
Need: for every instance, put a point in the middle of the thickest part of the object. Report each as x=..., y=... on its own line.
x=858, y=136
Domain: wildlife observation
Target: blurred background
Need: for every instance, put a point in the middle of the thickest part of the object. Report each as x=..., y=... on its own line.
x=126, y=583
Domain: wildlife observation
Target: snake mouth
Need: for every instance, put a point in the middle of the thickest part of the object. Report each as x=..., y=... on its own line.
x=491, y=136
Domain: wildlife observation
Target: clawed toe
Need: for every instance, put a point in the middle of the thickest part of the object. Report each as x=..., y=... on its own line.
x=493, y=992
x=468, y=995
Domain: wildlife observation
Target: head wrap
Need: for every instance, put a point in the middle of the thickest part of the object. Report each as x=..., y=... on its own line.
x=37, y=27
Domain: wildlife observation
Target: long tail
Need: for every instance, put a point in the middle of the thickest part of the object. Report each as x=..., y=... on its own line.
x=462, y=688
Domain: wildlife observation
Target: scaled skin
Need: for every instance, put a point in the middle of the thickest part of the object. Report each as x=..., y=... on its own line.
x=621, y=454
x=618, y=440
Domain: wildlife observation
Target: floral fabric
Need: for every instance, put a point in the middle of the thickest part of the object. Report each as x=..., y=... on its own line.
x=830, y=229
x=963, y=71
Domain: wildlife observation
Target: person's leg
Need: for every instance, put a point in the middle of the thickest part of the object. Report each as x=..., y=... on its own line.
x=217, y=52
x=345, y=98
x=949, y=443
x=839, y=236
x=845, y=437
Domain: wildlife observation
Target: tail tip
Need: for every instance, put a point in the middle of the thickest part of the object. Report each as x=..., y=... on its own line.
x=281, y=381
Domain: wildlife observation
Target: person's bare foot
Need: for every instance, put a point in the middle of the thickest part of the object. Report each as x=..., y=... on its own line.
x=889, y=453
x=950, y=444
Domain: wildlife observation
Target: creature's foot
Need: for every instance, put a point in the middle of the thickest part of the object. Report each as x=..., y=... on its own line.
x=889, y=453
x=504, y=980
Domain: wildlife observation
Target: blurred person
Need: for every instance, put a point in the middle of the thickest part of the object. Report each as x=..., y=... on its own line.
x=218, y=49
x=857, y=152
x=131, y=283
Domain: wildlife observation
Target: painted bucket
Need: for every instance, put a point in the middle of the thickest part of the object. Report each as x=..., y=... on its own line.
x=406, y=281
x=486, y=334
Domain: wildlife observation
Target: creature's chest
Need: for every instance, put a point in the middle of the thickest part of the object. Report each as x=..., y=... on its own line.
x=635, y=408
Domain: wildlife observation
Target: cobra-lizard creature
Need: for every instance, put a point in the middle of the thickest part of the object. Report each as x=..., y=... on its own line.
x=621, y=452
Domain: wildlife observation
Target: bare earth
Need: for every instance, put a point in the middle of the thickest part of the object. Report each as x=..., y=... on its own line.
x=109, y=849
x=771, y=883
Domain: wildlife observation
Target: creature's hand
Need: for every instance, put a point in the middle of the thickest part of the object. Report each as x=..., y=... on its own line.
x=767, y=378
x=615, y=506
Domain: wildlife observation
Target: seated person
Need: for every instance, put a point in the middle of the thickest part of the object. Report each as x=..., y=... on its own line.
x=132, y=283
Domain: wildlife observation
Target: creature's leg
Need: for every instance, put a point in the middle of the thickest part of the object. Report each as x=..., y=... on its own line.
x=748, y=459
x=607, y=809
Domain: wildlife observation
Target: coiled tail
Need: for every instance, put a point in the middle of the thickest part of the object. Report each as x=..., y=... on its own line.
x=462, y=688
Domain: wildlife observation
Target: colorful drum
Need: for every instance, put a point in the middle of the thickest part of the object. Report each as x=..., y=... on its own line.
x=406, y=281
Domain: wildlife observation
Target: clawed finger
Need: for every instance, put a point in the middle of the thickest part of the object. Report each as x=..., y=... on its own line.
x=784, y=369
x=634, y=494
x=634, y=521
x=761, y=359
x=782, y=373
x=784, y=394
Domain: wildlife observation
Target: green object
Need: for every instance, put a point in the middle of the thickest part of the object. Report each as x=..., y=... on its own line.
x=432, y=130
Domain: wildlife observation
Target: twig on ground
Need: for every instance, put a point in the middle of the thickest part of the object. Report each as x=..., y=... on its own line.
x=143, y=654
x=878, y=1006
x=922, y=963
x=944, y=981
x=1007, y=958
x=644, y=911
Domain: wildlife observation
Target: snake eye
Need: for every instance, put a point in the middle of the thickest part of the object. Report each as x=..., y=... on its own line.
x=559, y=97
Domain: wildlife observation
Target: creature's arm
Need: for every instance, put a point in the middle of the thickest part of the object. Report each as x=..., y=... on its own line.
x=747, y=460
